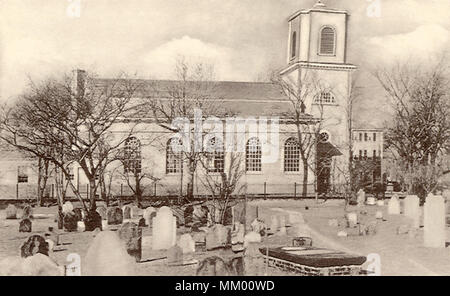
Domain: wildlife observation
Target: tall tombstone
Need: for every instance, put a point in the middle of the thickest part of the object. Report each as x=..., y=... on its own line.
x=27, y=212
x=394, y=205
x=11, y=212
x=148, y=215
x=25, y=225
x=126, y=212
x=115, y=216
x=361, y=197
x=411, y=209
x=434, y=222
x=102, y=212
x=131, y=234
x=164, y=229
x=186, y=243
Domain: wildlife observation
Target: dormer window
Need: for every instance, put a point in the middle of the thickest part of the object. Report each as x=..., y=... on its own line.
x=294, y=45
x=325, y=97
x=327, y=39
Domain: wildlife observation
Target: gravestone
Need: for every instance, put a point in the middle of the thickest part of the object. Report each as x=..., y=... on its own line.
x=67, y=207
x=25, y=225
x=92, y=220
x=70, y=221
x=258, y=226
x=148, y=215
x=371, y=201
x=361, y=197
x=131, y=234
x=27, y=212
x=102, y=211
x=41, y=265
x=141, y=222
x=411, y=209
x=81, y=226
x=434, y=222
x=126, y=212
x=352, y=219
x=186, y=243
x=164, y=229
x=218, y=236
x=394, y=205
x=33, y=245
x=108, y=256
x=11, y=212
x=175, y=255
x=115, y=216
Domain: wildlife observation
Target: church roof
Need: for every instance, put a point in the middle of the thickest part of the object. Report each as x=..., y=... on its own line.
x=318, y=7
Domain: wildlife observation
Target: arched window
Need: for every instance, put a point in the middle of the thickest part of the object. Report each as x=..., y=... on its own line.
x=253, y=155
x=327, y=41
x=325, y=97
x=132, y=156
x=291, y=155
x=174, y=156
x=215, y=156
x=294, y=45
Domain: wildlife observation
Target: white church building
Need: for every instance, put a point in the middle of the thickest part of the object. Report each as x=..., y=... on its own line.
x=317, y=50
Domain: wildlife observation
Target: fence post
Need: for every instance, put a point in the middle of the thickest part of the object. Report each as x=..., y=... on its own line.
x=53, y=191
x=17, y=191
x=121, y=190
x=295, y=189
x=87, y=191
x=265, y=191
x=154, y=191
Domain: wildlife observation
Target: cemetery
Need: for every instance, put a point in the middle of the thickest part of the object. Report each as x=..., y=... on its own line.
x=256, y=237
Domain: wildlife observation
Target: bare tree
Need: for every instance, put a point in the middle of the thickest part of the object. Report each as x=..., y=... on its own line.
x=194, y=90
x=57, y=123
x=420, y=129
x=223, y=185
x=307, y=127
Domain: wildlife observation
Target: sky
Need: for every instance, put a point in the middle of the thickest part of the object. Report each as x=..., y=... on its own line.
x=244, y=39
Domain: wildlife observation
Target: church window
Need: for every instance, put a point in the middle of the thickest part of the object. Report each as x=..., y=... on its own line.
x=253, y=155
x=327, y=41
x=294, y=45
x=215, y=156
x=132, y=156
x=325, y=97
x=174, y=156
x=291, y=155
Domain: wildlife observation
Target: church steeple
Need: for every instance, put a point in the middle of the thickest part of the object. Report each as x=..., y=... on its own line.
x=318, y=34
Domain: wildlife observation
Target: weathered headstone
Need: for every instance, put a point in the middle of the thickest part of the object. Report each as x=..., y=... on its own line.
x=27, y=212
x=92, y=220
x=115, y=216
x=174, y=255
x=148, y=215
x=102, y=211
x=164, y=229
x=186, y=243
x=25, y=225
x=81, y=226
x=131, y=234
x=352, y=219
x=434, y=222
x=411, y=209
x=11, y=212
x=126, y=212
x=70, y=221
x=361, y=197
x=371, y=201
x=258, y=226
x=394, y=205
x=108, y=256
x=67, y=207
x=33, y=245
x=218, y=236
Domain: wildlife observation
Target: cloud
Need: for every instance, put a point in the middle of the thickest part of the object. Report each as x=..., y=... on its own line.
x=424, y=43
x=161, y=60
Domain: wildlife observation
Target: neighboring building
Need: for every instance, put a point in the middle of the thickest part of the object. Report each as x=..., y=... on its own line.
x=317, y=48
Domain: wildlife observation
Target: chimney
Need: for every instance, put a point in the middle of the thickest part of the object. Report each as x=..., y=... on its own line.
x=78, y=81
